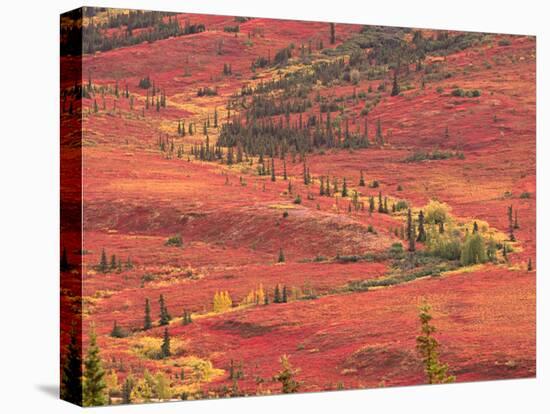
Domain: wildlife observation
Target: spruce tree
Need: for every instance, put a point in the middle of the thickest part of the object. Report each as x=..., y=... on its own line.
x=395, y=87
x=277, y=295
x=332, y=34
x=285, y=295
x=361, y=179
x=380, y=203
x=421, y=231
x=71, y=376
x=285, y=177
x=410, y=232
x=281, y=257
x=103, y=265
x=148, y=324
x=165, y=347
x=344, y=188
x=428, y=348
x=163, y=315
x=272, y=169
x=94, y=384
x=127, y=388
x=371, y=204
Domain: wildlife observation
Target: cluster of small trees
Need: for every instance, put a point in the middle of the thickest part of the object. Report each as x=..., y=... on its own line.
x=164, y=315
x=114, y=264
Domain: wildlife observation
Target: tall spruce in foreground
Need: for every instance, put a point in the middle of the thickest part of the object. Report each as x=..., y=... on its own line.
x=148, y=323
x=94, y=384
x=428, y=348
x=332, y=33
x=71, y=376
x=286, y=377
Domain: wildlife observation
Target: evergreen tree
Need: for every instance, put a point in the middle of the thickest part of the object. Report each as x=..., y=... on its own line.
x=272, y=169
x=395, y=87
x=428, y=348
x=71, y=376
x=380, y=203
x=332, y=34
x=285, y=295
x=165, y=347
x=112, y=266
x=103, y=265
x=94, y=383
x=361, y=179
x=516, y=224
x=286, y=377
x=277, y=295
x=164, y=315
x=410, y=232
x=285, y=177
x=127, y=389
x=379, y=137
x=421, y=231
x=512, y=237
x=529, y=265
x=475, y=228
x=344, y=188
x=148, y=324
x=117, y=331
x=371, y=204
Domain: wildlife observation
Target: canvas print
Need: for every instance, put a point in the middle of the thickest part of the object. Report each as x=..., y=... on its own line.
x=253, y=206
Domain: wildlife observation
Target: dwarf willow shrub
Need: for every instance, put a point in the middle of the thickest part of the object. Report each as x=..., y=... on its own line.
x=436, y=212
x=473, y=251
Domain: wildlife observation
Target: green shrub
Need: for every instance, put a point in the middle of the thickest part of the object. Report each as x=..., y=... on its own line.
x=525, y=195
x=175, y=241
x=401, y=205
x=473, y=251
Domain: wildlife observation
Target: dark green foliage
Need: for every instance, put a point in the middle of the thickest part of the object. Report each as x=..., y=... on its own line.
x=361, y=179
x=165, y=347
x=395, y=87
x=332, y=33
x=127, y=388
x=428, y=348
x=175, y=241
x=118, y=332
x=164, y=316
x=148, y=323
x=186, y=318
x=410, y=232
x=103, y=266
x=529, y=265
x=421, y=231
x=71, y=376
x=286, y=377
x=94, y=383
x=473, y=250
x=344, y=188
x=419, y=156
x=281, y=257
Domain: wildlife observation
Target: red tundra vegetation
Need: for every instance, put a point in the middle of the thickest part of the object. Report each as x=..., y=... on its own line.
x=266, y=205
